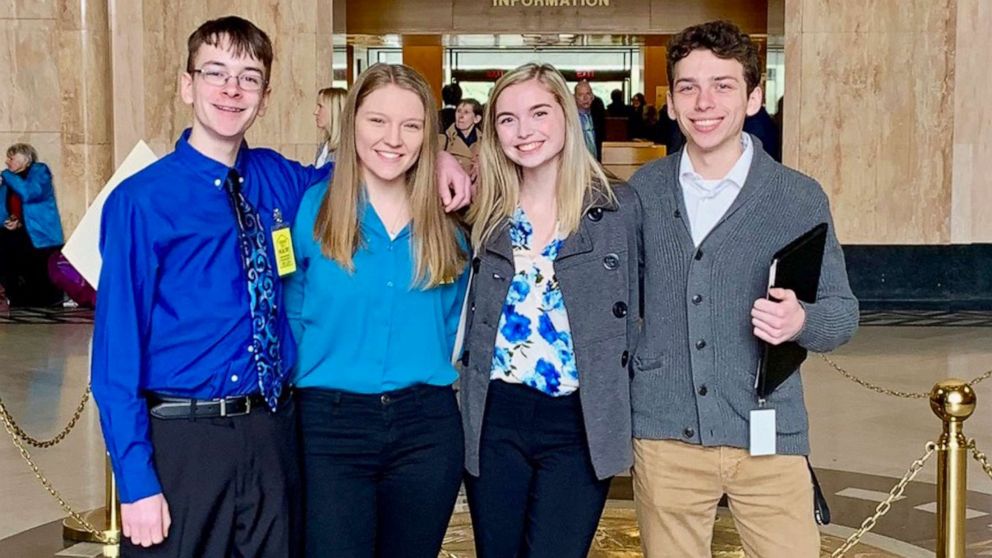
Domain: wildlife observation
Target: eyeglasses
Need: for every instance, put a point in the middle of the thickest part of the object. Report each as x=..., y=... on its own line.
x=250, y=81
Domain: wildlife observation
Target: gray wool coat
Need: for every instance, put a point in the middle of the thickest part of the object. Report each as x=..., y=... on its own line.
x=598, y=270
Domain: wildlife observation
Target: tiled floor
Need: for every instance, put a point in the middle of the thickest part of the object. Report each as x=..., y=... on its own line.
x=862, y=441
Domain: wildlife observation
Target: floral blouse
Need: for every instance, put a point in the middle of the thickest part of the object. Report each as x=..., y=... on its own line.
x=534, y=341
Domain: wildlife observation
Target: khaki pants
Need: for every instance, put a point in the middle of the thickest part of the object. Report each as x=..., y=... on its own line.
x=677, y=487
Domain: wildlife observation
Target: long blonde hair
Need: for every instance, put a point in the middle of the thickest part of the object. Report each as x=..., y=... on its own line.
x=332, y=98
x=439, y=256
x=581, y=181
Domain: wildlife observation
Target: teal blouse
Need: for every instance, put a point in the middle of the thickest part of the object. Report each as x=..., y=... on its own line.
x=372, y=330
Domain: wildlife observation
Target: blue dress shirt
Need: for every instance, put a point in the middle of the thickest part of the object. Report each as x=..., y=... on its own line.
x=369, y=331
x=173, y=312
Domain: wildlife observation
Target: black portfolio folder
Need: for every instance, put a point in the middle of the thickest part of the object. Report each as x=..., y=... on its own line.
x=797, y=267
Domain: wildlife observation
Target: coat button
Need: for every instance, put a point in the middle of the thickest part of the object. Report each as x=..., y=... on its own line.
x=611, y=261
x=678, y=214
x=703, y=391
x=595, y=213
x=465, y=358
x=699, y=255
x=620, y=309
x=385, y=399
x=476, y=262
x=696, y=299
x=624, y=358
x=689, y=433
x=701, y=344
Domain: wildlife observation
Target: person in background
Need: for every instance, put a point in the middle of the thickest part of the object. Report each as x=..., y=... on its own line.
x=552, y=322
x=667, y=132
x=327, y=115
x=592, y=118
x=451, y=96
x=617, y=108
x=375, y=307
x=461, y=139
x=31, y=229
x=636, y=116
x=762, y=126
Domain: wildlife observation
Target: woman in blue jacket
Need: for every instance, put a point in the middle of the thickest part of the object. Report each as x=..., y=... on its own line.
x=31, y=231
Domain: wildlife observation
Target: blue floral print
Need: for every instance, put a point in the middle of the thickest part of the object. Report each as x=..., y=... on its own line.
x=534, y=341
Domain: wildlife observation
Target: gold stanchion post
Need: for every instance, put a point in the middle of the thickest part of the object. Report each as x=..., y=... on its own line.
x=953, y=401
x=106, y=519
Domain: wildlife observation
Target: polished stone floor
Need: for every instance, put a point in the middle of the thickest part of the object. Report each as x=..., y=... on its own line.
x=862, y=441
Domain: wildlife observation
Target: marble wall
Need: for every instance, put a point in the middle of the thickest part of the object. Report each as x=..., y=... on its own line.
x=886, y=105
x=146, y=74
x=971, y=192
x=83, y=80
x=55, y=76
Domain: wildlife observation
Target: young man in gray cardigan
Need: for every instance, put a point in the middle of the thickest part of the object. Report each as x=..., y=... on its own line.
x=714, y=215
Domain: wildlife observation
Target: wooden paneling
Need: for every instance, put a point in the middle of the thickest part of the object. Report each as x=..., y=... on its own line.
x=623, y=158
x=654, y=55
x=376, y=17
x=481, y=16
x=381, y=17
x=671, y=16
x=425, y=54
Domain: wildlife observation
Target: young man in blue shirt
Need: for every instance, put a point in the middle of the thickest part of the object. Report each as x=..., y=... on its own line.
x=191, y=345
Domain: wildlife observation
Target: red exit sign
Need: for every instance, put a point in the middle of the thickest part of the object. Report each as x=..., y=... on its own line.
x=585, y=74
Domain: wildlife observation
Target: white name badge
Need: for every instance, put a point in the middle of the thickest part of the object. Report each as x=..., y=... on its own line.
x=763, y=432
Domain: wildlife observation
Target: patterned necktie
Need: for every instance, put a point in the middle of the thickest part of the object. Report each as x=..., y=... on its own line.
x=261, y=292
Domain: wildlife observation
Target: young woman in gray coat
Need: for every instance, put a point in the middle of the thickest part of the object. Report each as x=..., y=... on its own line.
x=551, y=326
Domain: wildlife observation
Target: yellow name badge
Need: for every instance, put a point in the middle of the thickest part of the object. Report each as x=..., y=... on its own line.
x=282, y=244
x=282, y=241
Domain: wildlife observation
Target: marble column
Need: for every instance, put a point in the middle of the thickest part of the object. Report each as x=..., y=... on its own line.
x=150, y=54
x=870, y=112
x=55, y=84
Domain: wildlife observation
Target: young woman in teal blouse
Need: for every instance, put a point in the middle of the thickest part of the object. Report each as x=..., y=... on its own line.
x=374, y=307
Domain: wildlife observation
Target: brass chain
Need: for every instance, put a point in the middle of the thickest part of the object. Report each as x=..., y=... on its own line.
x=895, y=393
x=20, y=434
x=885, y=506
x=100, y=535
x=980, y=457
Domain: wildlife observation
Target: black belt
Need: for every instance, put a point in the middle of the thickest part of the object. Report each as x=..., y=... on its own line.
x=165, y=407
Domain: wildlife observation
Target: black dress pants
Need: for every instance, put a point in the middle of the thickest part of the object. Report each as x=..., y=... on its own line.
x=537, y=495
x=233, y=486
x=382, y=471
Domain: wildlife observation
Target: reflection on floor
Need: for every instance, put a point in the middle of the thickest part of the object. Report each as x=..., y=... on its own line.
x=862, y=441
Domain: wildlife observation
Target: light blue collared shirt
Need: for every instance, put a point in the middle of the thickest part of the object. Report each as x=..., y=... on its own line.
x=372, y=330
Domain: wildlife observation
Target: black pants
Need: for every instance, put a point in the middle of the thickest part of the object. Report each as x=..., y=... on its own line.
x=233, y=486
x=537, y=495
x=381, y=471
x=24, y=270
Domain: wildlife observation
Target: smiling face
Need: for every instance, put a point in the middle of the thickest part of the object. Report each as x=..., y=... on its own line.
x=531, y=124
x=709, y=100
x=389, y=133
x=222, y=113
